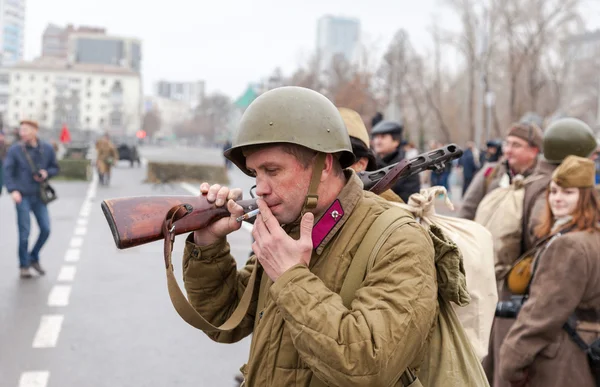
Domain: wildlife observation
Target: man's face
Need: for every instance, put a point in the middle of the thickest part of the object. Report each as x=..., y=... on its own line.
x=384, y=144
x=27, y=132
x=281, y=180
x=519, y=153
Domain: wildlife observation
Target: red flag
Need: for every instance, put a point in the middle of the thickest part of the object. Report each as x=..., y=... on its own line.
x=65, y=136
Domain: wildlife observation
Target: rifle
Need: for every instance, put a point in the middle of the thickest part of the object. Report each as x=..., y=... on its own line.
x=138, y=220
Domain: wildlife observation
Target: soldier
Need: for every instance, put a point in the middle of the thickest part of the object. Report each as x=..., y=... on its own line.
x=565, y=136
x=107, y=156
x=293, y=141
x=359, y=138
x=564, y=287
x=387, y=144
x=521, y=148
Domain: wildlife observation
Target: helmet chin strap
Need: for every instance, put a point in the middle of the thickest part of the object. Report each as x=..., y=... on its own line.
x=310, y=203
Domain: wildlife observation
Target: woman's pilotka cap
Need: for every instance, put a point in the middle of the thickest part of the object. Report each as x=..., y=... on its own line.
x=575, y=172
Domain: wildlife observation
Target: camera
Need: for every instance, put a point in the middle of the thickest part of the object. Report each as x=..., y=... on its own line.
x=510, y=309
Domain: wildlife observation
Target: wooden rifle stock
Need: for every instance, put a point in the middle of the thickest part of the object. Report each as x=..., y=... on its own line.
x=138, y=220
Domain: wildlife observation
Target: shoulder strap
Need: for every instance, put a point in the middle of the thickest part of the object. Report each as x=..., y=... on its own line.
x=367, y=251
x=34, y=169
x=378, y=233
x=180, y=303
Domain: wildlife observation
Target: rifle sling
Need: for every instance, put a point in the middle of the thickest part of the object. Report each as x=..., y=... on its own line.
x=180, y=302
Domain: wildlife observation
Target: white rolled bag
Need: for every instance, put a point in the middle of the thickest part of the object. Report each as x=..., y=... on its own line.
x=476, y=246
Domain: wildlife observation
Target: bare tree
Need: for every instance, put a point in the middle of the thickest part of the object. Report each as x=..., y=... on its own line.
x=151, y=123
x=212, y=116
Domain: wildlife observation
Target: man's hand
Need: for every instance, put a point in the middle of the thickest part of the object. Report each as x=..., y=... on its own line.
x=16, y=197
x=217, y=230
x=40, y=176
x=276, y=251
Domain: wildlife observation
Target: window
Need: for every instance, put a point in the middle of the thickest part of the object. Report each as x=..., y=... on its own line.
x=30, y=103
x=16, y=102
x=87, y=120
x=103, y=82
x=32, y=78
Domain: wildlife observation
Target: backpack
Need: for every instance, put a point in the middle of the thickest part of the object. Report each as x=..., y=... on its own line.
x=501, y=212
x=442, y=366
x=475, y=244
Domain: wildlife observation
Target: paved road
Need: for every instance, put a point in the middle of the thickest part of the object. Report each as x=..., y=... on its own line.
x=102, y=316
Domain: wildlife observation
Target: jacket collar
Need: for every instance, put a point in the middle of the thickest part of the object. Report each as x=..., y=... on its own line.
x=331, y=220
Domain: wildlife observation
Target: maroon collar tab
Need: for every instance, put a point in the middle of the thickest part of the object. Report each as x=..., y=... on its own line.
x=330, y=218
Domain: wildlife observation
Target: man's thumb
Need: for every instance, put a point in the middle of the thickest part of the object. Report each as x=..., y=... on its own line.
x=306, y=225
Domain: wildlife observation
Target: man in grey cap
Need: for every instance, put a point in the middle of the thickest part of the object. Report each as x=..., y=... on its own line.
x=521, y=147
x=387, y=140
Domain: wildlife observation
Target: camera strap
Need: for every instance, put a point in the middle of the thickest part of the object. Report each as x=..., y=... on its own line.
x=34, y=168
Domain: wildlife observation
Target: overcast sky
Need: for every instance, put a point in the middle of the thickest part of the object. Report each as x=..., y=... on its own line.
x=231, y=43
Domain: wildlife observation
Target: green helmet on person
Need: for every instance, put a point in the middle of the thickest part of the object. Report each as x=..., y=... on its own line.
x=292, y=115
x=568, y=136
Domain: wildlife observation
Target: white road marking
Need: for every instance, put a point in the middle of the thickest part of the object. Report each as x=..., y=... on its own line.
x=48, y=331
x=196, y=192
x=59, y=295
x=34, y=379
x=67, y=273
x=80, y=231
x=82, y=222
x=72, y=255
x=76, y=242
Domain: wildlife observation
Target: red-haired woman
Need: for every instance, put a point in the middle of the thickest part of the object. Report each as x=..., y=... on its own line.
x=565, y=286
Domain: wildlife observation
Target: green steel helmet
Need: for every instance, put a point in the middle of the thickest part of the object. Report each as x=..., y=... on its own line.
x=568, y=136
x=293, y=115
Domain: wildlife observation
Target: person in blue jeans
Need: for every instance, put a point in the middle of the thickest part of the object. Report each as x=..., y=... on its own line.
x=23, y=183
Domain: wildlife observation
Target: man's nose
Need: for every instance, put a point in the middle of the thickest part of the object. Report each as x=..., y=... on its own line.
x=262, y=188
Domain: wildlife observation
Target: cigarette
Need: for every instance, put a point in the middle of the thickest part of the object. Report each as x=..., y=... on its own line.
x=248, y=215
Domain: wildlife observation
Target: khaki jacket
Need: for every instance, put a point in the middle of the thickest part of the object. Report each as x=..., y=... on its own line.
x=105, y=149
x=304, y=327
x=567, y=278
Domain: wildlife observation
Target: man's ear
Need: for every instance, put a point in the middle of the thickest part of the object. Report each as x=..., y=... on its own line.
x=327, y=167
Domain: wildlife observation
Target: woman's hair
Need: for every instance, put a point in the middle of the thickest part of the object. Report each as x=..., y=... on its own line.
x=585, y=217
x=360, y=149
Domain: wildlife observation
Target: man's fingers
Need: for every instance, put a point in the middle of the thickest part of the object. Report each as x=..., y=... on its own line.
x=204, y=187
x=234, y=208
x=235, y=194
x=211, y=196
x=222, y=195
x=266, y=216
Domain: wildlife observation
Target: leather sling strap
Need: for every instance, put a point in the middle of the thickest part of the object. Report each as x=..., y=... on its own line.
x=310, y=202
x=180, y=302
x=364, y=259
